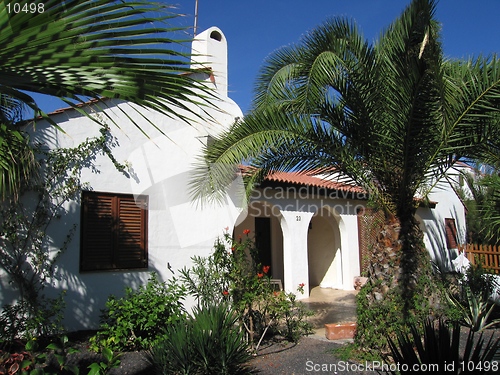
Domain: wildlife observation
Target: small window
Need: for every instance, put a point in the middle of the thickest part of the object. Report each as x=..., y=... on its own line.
x=216, y=35
x=113, y=232
x=451, y=233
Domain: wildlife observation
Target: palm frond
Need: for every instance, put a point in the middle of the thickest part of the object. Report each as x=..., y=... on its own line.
x=98, y=49
x=17, y=161
x=93, y=49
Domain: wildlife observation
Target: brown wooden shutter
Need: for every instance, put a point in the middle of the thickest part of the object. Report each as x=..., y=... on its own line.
x=451, y=233
x=97, y=232
x=131, y=243
x=114, y=232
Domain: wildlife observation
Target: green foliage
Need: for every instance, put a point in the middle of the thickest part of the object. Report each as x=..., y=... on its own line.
x=208, y=280
x=440, y=346
x=289, y=315
x=111, y=360
x=22, y=319
x=478, y=281
x=209, y=342
x=352, y=352
x=232, y=273
x=133, y=321
x=387, y=312
x=32, y=361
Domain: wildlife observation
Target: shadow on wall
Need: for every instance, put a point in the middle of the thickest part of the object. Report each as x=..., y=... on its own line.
x=87, y=293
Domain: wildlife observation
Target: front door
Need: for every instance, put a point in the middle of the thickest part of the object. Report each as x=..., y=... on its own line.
x=263, y=241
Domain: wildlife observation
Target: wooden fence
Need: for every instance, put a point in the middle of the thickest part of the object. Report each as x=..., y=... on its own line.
x=487, y=255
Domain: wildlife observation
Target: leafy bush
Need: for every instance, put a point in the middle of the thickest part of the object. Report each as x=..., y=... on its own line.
x=53, y=360
x=232, y=274
x=290, y=315
x=440, y=346
x=374, y=336
x=134, y=321
x=207, y=343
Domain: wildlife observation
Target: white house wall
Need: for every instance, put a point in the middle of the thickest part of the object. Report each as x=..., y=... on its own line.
x=432, y=221
x=159, y=168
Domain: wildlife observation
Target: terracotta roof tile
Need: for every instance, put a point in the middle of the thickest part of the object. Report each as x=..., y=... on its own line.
x=311, y=179
x=306, y=179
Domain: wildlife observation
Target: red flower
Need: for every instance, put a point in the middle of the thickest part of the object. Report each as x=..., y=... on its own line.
x=302, y=285
x=225, y=292
x=246, y=231
x=265, y=269
x=226, y=229
x=259, y=275
x=233, y=249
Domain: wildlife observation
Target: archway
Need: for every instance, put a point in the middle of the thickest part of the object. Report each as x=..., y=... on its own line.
x=324, y=250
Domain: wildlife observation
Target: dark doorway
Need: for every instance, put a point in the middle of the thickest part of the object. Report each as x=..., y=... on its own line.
x=263, y=241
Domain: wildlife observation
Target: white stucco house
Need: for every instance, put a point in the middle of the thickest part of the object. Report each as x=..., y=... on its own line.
x=306, y=227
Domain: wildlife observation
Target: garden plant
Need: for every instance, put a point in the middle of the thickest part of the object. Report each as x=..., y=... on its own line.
x=232, y=273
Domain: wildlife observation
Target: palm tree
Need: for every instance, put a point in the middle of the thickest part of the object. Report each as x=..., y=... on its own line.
x=393, y=116
x=92, y=49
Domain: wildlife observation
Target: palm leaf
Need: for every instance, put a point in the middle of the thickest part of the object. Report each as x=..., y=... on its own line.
x=97, y=49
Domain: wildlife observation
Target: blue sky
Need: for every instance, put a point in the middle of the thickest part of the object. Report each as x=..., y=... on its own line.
x=255, y=28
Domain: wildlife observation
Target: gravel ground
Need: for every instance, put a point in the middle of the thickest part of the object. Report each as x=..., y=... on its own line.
x=312, y=355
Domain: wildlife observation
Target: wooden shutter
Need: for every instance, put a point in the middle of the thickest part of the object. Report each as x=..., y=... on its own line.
x=97, y=232
x=131, y=237
x=114, y=232
x=451, y=233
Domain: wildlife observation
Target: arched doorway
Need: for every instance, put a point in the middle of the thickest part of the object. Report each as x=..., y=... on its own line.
x=324, y=251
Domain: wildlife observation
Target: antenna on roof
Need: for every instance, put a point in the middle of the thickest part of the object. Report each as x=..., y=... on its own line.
x=195, y=17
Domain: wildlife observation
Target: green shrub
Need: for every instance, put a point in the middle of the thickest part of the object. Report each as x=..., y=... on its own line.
x=25, y=320
x=289, y=316
x=233, y=274
x=371, y=336
x=134, y=321
x=210, y=342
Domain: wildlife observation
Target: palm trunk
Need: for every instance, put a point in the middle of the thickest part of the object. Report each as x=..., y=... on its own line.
x=399, y=281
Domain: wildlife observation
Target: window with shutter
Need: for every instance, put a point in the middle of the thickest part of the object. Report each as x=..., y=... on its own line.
x=113, y=232
x=451, y=233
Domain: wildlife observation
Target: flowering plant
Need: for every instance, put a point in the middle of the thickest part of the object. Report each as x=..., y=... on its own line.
x=234, y=274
